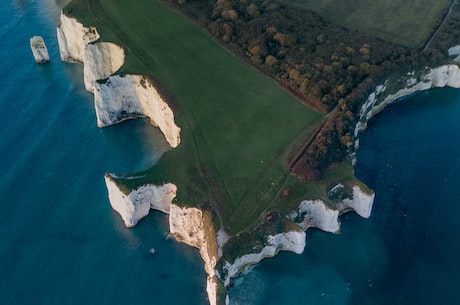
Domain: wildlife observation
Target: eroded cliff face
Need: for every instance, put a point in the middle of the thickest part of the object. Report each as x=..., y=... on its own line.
x=293, y=241
x=316, y=214
x=192, y=227
x=309, y=214
x=446, y=75
x=188, y=225
x=116, y=98
x=101, y=60
x=73, y=38
x=123, y=97
x=136, y=205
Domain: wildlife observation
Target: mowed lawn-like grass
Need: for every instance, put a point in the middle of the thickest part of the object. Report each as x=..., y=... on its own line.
x=407, y=22
x=238, y=126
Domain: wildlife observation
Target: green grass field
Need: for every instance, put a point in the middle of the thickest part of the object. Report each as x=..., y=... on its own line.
x=407, y=22
x=238, y=126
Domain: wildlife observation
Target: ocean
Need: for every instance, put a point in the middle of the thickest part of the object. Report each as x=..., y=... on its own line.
x=408, y=252
x=61, y=243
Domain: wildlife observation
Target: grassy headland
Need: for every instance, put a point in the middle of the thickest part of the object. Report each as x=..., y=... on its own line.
x=238, y=126
x=242, y=135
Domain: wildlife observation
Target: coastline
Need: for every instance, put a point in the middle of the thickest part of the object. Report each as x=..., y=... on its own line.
x=447, y=75
x=275, y=243
x=74, y=48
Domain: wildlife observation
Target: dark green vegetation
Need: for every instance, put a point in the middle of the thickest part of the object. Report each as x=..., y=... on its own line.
x=238, y=126
x=405, y=22
x=331, y=68
x=448, y=34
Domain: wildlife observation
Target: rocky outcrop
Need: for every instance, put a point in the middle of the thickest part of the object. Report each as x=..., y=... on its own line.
x=120, y=98
x=309, y=214
x=136, y=205
x=73, y=38
x=77, y=44
x=361, y=202
x=316, y=214
x=190, y=226
x=39, y=50
x=116, y=98
x=293, y=241
x=101, y=60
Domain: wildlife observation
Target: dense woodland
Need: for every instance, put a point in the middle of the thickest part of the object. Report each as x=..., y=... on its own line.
x=328, y=67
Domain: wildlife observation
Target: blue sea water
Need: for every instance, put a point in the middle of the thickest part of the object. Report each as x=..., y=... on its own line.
x=61, y=243
x=408, y=252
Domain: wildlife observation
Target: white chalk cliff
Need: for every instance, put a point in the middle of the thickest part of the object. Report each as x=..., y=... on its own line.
x=187, y=225
x=116, y=98
x=122, y=97
x=443, y=76
x=316, y=214
x=73, y=38
x=446, y=75
x=136, y=205
x=101, y=60
x=309, y=214
x=293, y=241
x=361, y=203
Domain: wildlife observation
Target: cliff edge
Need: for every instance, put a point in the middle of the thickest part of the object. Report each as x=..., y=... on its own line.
x=118, y=97
x=443, y=76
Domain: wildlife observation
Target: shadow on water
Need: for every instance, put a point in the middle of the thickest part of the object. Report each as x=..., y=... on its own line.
x=141, y=138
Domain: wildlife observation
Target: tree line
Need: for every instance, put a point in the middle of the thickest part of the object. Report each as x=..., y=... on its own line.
x=328, y=67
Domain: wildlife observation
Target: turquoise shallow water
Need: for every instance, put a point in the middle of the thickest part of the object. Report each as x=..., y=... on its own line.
x=61, y=243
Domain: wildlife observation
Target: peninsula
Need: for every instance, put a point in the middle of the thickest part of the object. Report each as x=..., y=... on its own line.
x=262, y=143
